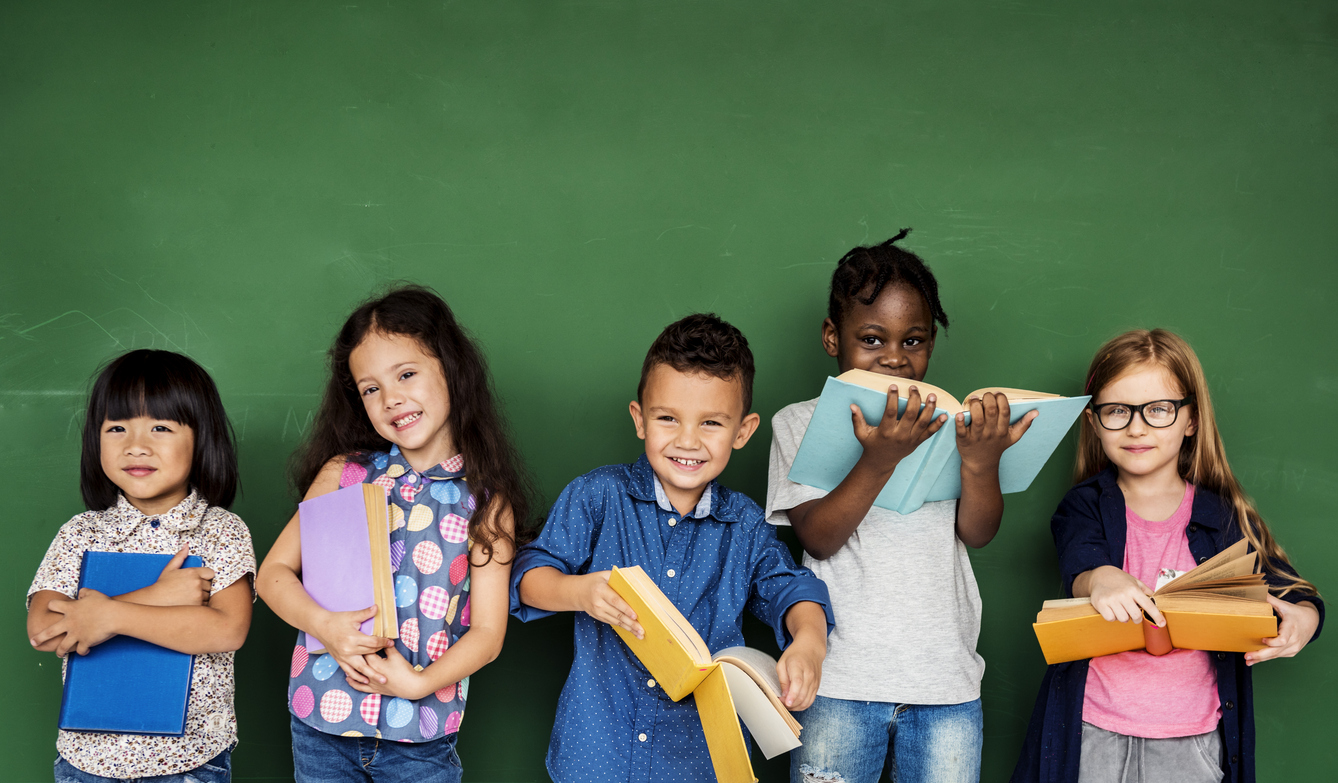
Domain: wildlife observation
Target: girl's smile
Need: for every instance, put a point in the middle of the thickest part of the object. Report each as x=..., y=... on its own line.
x=149, y=460
x=404, y=393
x=1139, y=451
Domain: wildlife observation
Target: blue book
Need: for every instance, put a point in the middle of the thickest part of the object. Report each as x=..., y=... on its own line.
x=126, y=685
x=934, y=470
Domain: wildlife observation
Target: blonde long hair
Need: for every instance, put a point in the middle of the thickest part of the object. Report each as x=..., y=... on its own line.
x=1203, y=460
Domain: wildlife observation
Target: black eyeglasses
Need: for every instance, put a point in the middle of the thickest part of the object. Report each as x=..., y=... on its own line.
x=1158, y=413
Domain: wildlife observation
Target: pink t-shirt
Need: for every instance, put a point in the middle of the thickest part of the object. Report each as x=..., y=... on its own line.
x=1141, y=695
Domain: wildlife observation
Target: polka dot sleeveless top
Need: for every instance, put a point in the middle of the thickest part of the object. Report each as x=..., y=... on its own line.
x=429, y=551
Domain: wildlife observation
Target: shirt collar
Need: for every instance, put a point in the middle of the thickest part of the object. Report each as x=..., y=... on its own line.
x=452, y=468
x=1208, y=509
x=123, y=518
x=717, y=500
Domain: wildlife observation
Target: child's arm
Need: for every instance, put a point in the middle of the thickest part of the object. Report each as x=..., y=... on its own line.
x=489, y=586
x=551, y=590
x=94, y=618
x=824, y=525
x=981, y=445
x=280, y=584
x=800, y=666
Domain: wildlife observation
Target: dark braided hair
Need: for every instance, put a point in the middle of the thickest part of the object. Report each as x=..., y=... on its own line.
x=871, y=269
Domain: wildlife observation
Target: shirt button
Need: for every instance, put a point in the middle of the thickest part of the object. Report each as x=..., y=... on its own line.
x=1221, y=656
x=1231, y=705
x=153, y=523
x=641, y=737
x=670, y=572
x=1235, y=759
x=411, y=478
x=1203, y=560
x=1193, y=528
x=650, y=683
x=673, y=522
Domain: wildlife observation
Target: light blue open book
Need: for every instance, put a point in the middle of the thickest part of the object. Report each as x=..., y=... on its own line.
x=934, y=470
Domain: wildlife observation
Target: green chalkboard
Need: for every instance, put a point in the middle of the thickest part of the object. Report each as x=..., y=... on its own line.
x=228, y=179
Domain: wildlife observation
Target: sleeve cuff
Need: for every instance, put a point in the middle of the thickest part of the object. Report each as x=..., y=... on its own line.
x=527, y=560
x=804, y=588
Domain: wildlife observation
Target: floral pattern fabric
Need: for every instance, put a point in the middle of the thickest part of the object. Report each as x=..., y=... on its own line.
x=429, y=552
x=222, y=541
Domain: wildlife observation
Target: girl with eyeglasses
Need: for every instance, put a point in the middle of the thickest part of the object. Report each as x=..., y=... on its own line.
x=1154, y=497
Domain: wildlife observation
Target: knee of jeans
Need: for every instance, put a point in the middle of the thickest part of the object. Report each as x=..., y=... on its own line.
x=811, y=774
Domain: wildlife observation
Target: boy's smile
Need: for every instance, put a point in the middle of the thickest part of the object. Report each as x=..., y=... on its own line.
x=691, y=423
x=893, y=336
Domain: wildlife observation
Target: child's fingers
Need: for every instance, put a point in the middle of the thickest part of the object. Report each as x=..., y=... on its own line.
x=960, y=418
x=893, y=406
x=926, y=417
x=176, y=561
x=47, y=634
x=783, y=674
x=1147, y=605
x=1016, y=431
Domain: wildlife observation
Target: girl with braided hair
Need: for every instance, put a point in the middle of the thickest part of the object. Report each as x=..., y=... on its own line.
x=901, y=685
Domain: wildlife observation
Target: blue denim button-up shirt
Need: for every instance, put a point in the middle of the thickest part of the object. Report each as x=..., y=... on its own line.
x=612, y=723
x=1089, y=530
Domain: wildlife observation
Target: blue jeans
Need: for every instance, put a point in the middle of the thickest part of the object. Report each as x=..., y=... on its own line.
x=216, y=770
x=329, y=758
x=854, y=741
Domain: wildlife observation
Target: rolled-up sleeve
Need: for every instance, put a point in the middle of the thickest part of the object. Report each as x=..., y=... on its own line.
x=1080, y=540
x=566, y=542
x=778, y=583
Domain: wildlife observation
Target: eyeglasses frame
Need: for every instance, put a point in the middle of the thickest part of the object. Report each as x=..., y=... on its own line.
x=1138, y=409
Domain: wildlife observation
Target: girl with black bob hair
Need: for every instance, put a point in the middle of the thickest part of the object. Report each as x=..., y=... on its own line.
x=167, y=386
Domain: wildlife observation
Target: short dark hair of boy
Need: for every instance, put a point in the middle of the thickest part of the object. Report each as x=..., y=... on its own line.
x=703, y=344
x=864, y=272
x=170, y=387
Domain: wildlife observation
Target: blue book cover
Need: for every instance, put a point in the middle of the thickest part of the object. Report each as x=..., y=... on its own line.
x=126, y=685
x=934, y=470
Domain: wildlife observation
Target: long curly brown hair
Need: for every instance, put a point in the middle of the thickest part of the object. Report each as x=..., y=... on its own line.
x=496, y=474
x=1203, y=460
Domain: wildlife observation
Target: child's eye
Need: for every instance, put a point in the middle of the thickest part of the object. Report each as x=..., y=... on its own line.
x=161, y=428
x=368, y=390
x=116, y=428
x=408, y=374
x=710, y=423
x=871, y=341
x=664, y=418
x=911, y=342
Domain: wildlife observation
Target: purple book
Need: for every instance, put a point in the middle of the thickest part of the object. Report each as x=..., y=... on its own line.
x=346, y=556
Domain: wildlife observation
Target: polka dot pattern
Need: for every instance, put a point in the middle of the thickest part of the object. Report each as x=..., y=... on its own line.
x=336, y=706
x=437, y=644
x=427, y=556
x=454, y=528
x=353, y=473
x=459, y=569
x=409, y=634
x=429, y=537
x=453, y=722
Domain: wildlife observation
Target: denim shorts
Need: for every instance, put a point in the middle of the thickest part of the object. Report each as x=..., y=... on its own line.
x=216, y=770
x=855, y=741
x=330, y=758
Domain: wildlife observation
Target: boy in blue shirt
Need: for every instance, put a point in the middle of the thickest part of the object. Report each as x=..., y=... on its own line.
x=708, y=548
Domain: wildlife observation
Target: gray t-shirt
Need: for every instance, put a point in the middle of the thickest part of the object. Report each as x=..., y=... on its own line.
x=905, y=599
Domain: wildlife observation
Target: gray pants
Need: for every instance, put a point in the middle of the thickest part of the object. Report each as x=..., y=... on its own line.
x=1108, y=757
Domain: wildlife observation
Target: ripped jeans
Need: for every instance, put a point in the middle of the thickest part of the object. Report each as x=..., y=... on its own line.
x=854, y=741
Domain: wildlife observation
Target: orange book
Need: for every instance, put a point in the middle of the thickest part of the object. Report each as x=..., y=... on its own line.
x=1220, y=605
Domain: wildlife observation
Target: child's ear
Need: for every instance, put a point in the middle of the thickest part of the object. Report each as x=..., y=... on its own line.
x=1193, y=426
x=746, y=429
x=638, y=419
x=831, y=341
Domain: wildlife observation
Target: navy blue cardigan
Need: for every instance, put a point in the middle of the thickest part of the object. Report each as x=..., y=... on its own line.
x=1089, y=530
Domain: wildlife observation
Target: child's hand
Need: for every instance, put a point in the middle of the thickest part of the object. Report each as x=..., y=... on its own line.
x=350, y=646
x=893, y=438
x=177, y=586
x=87, y=622
x=594, y=596
x=394, y=676
x=1297, y=626
x=984, y=440
x=1119, y=597
x=800, y=671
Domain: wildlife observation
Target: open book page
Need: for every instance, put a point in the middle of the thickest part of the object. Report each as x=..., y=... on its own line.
x=774, y=735
x=762, y=669
x=1015, y=395
x=945, y=401
x=1230, y=562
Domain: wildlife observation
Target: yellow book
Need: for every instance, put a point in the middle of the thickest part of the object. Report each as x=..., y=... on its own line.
x=1221, y=605
x=736, y=683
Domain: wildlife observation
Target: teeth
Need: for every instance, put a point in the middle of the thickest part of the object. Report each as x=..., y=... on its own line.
x=411, y=418
x=687, y=462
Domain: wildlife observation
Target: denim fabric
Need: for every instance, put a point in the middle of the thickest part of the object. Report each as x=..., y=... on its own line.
x=614, y=722
x=854, y=741
x=216, y=770
x=329, y=758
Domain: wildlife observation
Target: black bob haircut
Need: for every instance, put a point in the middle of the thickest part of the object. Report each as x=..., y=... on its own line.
x=864, y=272
x=167, y=386
x=703, y=344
